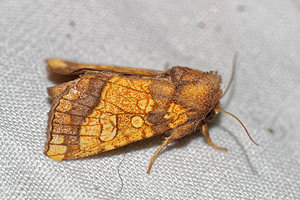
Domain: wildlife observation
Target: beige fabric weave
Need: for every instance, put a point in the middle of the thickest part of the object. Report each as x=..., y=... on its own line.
x=202, y=34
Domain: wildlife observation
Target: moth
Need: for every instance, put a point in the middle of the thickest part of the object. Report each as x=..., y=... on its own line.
x=107, y=107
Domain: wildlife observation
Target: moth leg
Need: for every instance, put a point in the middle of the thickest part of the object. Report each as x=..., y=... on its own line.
x=177, y=133
x=167, y=141
x=206, y=135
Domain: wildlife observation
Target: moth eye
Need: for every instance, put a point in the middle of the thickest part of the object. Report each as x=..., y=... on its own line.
x=210, y=115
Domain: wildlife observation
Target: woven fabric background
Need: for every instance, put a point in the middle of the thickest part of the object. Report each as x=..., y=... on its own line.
x=203, y=34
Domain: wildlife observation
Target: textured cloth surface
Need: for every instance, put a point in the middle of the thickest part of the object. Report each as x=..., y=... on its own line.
x=202, y=34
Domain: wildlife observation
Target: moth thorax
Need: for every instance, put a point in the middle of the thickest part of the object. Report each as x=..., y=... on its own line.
x=197, y=89
x=202, y=97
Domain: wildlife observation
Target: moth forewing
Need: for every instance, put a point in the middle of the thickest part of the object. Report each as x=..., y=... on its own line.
x=108, y=107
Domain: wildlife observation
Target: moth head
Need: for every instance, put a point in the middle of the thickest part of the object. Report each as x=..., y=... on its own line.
x=212, y=113
x=202, y=91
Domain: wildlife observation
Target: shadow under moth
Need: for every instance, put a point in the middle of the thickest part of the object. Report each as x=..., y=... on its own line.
x=107, y=107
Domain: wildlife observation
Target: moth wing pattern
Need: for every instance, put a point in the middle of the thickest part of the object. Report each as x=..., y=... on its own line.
x=102, y=111
x=109, y=106
x=71, y=68
x=57, y=90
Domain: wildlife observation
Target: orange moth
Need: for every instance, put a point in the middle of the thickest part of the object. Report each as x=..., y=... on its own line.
x=108, y=107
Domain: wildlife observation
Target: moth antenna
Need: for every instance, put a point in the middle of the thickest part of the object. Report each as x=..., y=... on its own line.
x=218, y=110
x=234, y=62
